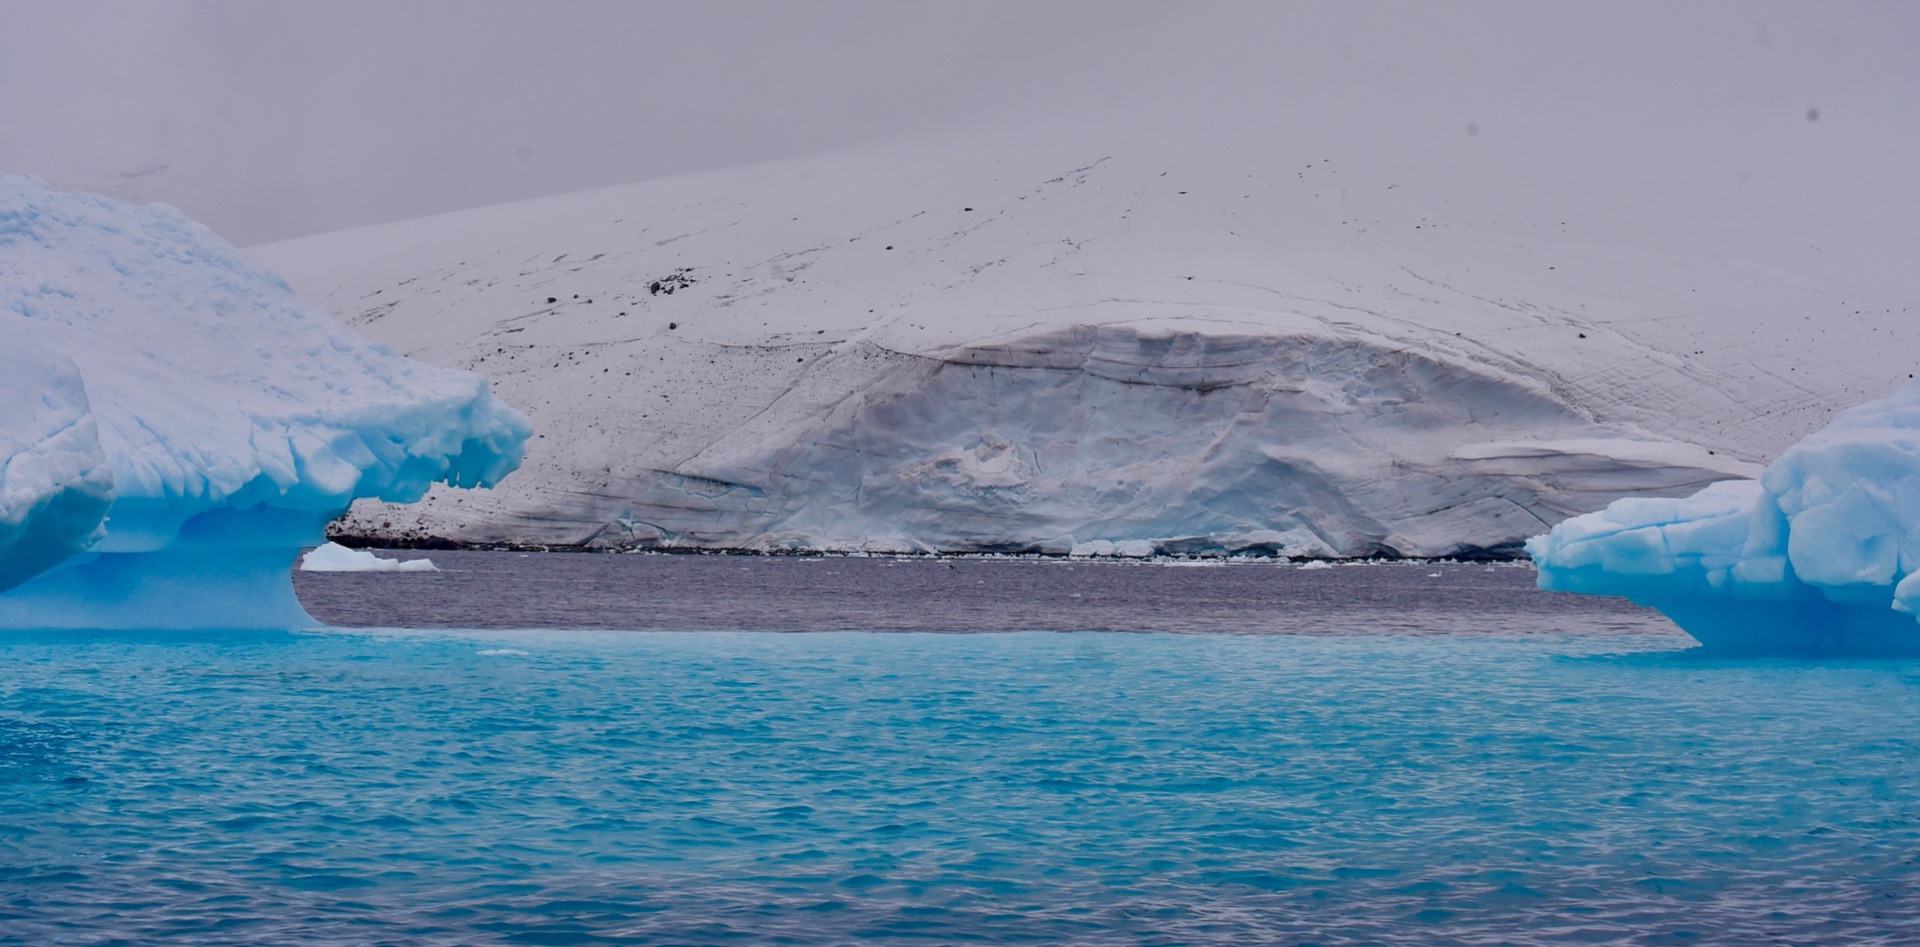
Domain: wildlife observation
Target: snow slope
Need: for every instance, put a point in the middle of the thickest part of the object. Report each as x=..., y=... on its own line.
x=1236, y=340
x=1822, y=554
x=234, y=420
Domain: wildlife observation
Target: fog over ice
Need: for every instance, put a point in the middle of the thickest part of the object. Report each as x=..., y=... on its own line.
x=270, y=121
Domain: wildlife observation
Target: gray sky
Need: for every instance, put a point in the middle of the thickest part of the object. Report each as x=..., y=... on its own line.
x=272, y=120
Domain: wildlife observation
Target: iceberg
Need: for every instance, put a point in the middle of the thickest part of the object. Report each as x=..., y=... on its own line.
x=1821, y=555
x=333, y=557
x=179, y=424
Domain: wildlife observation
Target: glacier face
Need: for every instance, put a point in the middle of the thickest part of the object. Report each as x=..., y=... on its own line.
x=1168, y=437
x=233, y=418
x=978, y=345
x=1818, y=555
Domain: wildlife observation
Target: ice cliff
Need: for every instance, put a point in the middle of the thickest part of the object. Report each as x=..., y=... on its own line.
x=176, y=412
x=1233, y=340
x=1820, y=555
x=1184, y=436
x=54, y=480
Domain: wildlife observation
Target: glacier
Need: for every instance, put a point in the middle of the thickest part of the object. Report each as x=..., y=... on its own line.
x=179, y=424
x=1182, y=437
x=1820, y=555
x=1030, y=341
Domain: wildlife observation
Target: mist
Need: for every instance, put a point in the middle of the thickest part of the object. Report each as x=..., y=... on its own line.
x=270, y=121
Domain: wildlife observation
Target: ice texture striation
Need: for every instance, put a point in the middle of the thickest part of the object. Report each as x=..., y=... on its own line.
x=234, y=420
x=1819, y=555
x=1174, y=437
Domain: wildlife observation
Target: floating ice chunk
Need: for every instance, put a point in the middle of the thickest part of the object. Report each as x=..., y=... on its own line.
x=1819, y=555
x=333, y=557
x=233, y=418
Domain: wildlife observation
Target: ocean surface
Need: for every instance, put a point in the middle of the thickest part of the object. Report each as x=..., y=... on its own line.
x=1244, y=754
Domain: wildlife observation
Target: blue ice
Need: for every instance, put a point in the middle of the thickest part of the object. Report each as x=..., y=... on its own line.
x=1820, y=555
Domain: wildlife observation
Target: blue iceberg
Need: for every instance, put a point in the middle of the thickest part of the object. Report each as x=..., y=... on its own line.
x=1821, y=555
x=178, y=424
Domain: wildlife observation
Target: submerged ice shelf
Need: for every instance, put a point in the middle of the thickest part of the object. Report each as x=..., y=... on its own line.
x=176, y=412
x=1820, y=555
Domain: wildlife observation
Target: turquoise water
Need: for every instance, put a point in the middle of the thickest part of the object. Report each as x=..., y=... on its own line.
x=592, y=787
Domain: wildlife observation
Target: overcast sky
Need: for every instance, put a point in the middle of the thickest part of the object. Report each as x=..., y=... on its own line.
x=272, y=120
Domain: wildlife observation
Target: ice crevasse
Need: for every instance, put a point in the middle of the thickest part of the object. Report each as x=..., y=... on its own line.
x=1820, y=555
x=176, y=424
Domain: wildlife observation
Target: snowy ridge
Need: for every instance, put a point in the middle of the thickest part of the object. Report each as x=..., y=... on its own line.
x=235, y=419
x=1062, y=339
x=1820, y=554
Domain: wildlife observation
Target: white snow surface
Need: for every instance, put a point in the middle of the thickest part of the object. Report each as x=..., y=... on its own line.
x=1232, y=341
x=234, y=418
x=54, y=480
x=333, y=557
x=1818, y=554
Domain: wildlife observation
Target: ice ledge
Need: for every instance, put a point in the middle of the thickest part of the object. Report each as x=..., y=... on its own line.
x=1625, y=452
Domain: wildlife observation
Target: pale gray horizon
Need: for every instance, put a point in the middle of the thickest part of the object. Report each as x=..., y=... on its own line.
x=270, y=121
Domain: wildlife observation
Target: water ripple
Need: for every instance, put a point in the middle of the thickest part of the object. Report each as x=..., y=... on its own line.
x=713, y=788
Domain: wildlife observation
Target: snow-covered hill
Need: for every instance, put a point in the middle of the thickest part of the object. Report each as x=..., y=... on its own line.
x=1241, y=340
